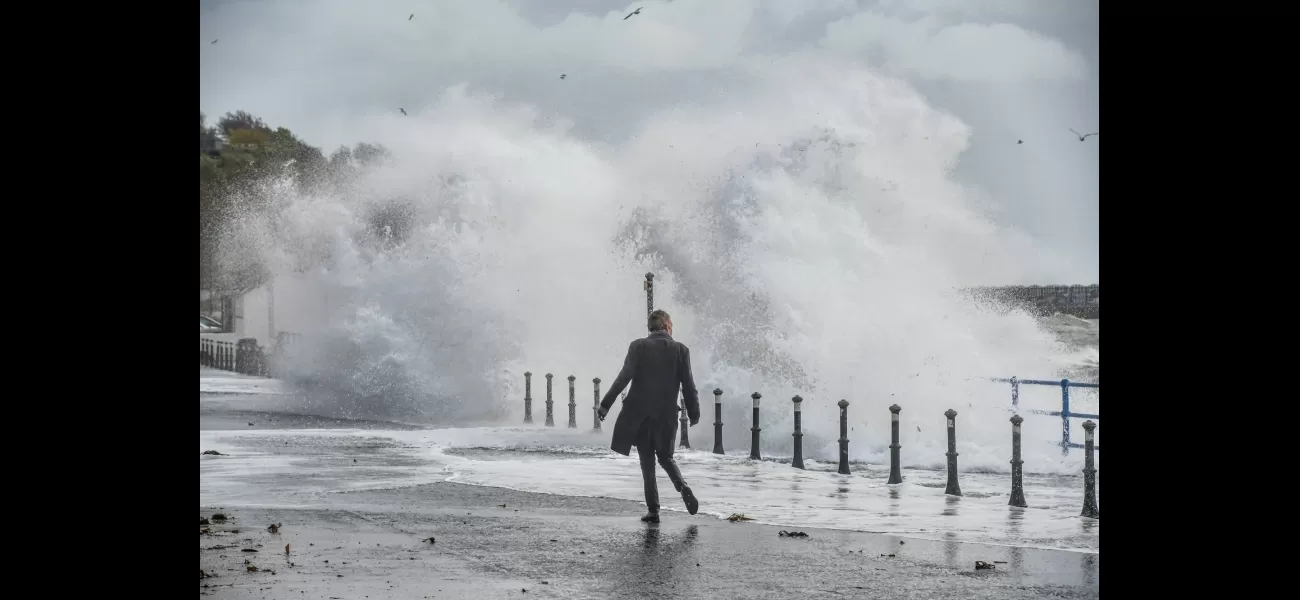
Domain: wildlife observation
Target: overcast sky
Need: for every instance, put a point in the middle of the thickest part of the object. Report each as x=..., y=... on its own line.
x=1010, y=69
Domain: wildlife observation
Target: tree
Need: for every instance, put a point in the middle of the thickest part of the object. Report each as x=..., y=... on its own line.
x=252, y=152
x=240, y=120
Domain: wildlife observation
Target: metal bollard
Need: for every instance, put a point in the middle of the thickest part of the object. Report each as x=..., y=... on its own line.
x=528, y=396
x=1017, y=471
x=1065, y=417
x=595, y=409
x=573, y=406
x=685, y=421
x=550, y=414
x=649, y=293
x=844, y=437
x=798, y=433
x=1089, y=473
x=717, y=421
x=953, y=489
x=895, y=468
x=753, y=442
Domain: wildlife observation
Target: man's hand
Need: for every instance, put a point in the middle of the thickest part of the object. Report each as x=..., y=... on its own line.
x=601, y=412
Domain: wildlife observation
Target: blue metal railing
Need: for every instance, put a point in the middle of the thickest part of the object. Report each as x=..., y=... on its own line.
x=1064, y=413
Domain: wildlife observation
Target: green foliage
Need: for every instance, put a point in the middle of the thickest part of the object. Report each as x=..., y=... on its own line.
x=236, y=154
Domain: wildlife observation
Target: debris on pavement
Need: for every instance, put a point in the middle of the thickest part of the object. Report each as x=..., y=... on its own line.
x=798, y=534
x=738, y=517
x=203, y=521
x=979, y=564
x=249, y=550
x=430, y=539
x=274, y=527
x=286, y=548
x=1000, y=562
x=212, y=453
x=204, y=574
x=219, y=518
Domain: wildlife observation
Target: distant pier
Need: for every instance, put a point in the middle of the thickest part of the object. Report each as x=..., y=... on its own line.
x=1076, y=300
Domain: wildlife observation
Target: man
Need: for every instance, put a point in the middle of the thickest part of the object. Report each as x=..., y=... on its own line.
x=657, y=366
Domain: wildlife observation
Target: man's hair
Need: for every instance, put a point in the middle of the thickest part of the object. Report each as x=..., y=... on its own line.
x=658, y=320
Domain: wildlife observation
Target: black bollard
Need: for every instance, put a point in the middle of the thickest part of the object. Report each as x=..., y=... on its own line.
x=595, y=410
x=895, y=468
x=1017, y=471
x=953, y=489
x=528, y=396
x=203, y=353
x=649, y=293
x=798, y=433
x=844, y=437
x=685, y=421
x=550, y=412
x=1089, y=473
x=753, y=443
x=717, y=422
x=573, y=405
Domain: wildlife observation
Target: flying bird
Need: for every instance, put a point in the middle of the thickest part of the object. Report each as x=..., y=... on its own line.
x=635, y=12
x=1082, y=136
x=403, y=111
x=214, y=41
x=1020, y=141
x=562, y=75
x=411, y=17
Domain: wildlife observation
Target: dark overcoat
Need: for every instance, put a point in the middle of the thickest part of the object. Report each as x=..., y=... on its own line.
x=658, y=367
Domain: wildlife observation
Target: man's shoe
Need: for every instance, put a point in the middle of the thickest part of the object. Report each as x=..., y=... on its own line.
x=692, y=505
x=650, y=517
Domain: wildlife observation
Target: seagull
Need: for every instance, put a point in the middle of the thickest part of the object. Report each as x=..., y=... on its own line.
x=411, y=17
x=1020, y=141
x=561, y=75
x=1082, y=136
x=403, y=111
x=635, y=12
x=214, y=41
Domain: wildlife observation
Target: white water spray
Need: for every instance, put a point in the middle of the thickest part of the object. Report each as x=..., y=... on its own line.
x=807, y=239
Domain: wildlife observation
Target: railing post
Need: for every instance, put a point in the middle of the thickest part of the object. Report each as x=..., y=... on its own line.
x=573, y=406
x=1015, y=392
x=649, y=293
x=895, y=468
x=528, y=396
x=844, y=437
x=753, y=443
x=953, y=489
x=1089, y=473
x=1017, y=471
x=798, y=433
x=595, y=409
x=550, y=414
x=717, y=421
x=1065, y=417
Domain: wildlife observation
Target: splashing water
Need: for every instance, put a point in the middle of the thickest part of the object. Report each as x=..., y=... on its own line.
x=808, y=240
